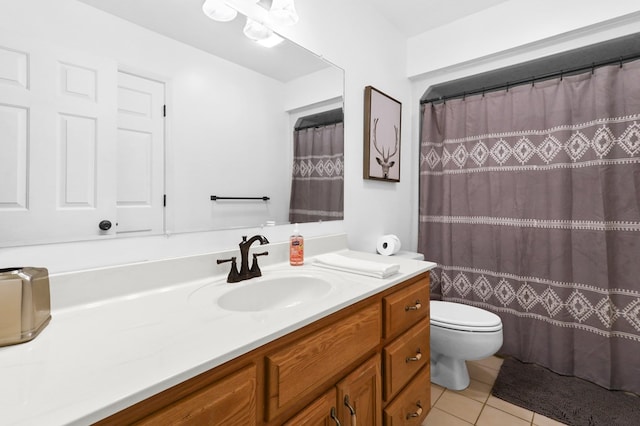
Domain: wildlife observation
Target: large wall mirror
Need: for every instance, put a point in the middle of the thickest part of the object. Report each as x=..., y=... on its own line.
x=123, y=118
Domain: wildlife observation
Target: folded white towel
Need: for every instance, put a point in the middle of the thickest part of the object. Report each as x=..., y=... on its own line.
x=356, y=266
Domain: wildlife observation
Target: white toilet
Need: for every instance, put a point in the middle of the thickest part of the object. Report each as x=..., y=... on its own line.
x=459, y=333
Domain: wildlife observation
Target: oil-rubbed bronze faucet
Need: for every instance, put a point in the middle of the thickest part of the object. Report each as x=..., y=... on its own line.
x=245, y=272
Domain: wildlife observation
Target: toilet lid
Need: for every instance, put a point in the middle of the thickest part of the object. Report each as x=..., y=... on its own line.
x=463, y=317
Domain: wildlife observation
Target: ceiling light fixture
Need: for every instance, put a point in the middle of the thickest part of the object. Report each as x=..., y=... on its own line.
x=282, y=12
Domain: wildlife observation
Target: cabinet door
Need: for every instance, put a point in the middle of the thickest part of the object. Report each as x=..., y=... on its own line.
x=318, y=413
x=230, y=401
x=359, y=396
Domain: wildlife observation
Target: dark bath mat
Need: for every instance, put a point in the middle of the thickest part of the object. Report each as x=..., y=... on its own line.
x=569, y=400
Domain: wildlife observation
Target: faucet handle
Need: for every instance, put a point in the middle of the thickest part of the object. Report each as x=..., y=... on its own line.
x=255, y=269
x=232, y=259
x=234, y=275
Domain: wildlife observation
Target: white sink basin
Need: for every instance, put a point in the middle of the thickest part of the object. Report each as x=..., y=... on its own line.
x=278, y=292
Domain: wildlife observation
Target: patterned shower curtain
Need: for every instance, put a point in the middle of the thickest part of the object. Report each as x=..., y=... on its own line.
x=317, y=190
x=530, y=205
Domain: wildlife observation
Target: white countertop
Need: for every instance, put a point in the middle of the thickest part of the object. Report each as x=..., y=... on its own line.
x=99, y=357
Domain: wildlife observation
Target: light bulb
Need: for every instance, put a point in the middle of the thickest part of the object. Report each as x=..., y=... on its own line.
x=219, y=11
x=283, y=12
x=256, y=31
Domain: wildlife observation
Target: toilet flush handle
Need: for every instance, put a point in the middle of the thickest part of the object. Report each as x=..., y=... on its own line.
x=415, y=307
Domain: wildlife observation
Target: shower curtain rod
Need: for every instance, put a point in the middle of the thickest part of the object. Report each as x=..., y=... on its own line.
x=509, y=84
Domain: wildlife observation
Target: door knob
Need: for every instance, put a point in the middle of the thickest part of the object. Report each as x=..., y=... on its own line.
x=104, y=225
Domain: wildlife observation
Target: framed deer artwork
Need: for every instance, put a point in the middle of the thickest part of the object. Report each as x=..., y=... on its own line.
x=382, y=123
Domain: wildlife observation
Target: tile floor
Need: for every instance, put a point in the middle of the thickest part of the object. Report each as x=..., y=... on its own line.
x=476, y=406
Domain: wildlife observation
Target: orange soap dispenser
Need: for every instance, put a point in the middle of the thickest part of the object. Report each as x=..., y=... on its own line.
x=296, y=247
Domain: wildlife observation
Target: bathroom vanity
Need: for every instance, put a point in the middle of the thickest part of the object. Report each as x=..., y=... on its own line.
x=358, y=352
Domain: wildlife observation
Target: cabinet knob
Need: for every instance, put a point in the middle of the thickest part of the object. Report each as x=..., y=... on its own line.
x=104, y=225
x=416, y=413
x=415, y=307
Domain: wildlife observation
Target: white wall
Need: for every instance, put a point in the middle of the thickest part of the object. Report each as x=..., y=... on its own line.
x=353, y=36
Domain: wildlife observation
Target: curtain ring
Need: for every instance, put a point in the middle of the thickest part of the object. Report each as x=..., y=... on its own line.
x=561, y=74
x=620, y=61
x=533, y=81
x=507, y=87
x=464, y=96
x=483, y=92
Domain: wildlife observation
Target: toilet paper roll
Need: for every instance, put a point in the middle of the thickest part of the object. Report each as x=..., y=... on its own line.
x=388, y=245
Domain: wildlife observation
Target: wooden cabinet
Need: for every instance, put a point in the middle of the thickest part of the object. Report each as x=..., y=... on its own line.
x=365, y=365
x=360, y=395
x=230, y=401
x=295, y=371
x=412, y=405
x=321, y=412
x=354, y=401
x=406, y=355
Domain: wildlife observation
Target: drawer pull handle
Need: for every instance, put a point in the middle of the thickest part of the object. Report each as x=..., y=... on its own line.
x=416, y=413
x=418, y=356
x=415, y=307
x=333, y=416
x=351, y=410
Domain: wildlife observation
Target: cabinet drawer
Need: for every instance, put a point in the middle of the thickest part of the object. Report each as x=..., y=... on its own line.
x=404, y=356
x=230, y=401
x=405, y=307
x=297, y=370
x=412, y=405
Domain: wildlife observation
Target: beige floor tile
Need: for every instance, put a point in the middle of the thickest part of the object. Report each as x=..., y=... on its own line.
x=436, y=392
x=540, y=420
x=459, y=405
x=505, y=406
x=482, y=373
x=477, y=390
x=440, y=418
x=494, y=362
x=493, y=417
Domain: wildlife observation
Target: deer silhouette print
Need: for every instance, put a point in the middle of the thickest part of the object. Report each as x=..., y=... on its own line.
x=384, y=161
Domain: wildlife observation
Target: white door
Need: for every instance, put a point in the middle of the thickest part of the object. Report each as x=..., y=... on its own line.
x=140, y=165
x=57, y=139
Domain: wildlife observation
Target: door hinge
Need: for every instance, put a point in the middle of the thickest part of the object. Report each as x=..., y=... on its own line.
x=164, y=200
x=164, y=110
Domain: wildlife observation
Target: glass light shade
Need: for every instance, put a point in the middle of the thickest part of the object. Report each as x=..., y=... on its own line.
x=256, y=31
x=219, y=11
x=283, y=12
x=271, y=41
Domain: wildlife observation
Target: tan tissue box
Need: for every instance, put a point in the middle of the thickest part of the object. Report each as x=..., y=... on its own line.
x=25, y=304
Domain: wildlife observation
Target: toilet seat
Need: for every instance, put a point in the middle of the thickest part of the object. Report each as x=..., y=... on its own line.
x=457, y=316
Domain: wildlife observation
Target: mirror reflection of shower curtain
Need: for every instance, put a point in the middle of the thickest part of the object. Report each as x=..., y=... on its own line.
x=530, y=205
x=317, y=184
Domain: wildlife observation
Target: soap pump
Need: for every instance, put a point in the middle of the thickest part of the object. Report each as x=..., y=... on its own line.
x=296, y=247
